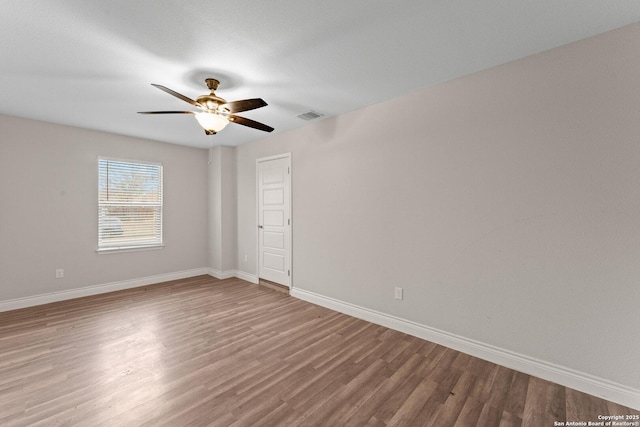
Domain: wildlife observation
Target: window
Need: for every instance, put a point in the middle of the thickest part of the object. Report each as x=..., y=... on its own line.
x=129, y=204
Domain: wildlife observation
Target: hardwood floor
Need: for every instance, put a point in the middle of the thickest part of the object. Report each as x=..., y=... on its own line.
x=203, y=351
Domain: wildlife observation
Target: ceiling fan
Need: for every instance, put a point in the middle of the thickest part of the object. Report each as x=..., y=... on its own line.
x=215, y=113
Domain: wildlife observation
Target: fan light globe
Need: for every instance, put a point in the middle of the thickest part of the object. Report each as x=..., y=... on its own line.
x=211, y=122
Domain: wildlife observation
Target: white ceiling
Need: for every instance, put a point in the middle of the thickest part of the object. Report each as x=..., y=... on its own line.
x=89, y=63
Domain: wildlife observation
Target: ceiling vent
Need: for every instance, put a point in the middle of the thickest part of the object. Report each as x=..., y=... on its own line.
x=310, y=115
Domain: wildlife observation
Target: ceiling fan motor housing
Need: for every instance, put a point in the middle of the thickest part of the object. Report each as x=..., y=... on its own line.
x=211, y=101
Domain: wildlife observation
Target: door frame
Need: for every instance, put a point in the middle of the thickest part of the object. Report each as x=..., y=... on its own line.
x=257, y=231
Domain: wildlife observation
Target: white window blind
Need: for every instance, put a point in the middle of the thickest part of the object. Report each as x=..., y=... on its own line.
x=129, y=204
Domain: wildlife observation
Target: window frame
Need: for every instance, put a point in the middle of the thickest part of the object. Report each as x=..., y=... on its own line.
x=132, y=245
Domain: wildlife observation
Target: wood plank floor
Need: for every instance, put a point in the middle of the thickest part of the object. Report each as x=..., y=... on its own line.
x=202, y=351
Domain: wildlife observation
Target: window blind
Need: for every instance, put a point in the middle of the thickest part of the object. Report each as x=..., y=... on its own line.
x=129, y=204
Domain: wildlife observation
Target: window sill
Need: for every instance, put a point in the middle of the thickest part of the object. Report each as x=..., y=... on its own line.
x=104, y=251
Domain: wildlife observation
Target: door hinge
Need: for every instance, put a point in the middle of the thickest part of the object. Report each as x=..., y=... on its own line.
x=289, y=273
x=288, y=170
x=288, y=222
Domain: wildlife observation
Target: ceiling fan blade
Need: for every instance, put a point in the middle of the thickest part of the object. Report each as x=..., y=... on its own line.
x=244, y=105
x=250, y=123
x=166, y=112
x=177, y=95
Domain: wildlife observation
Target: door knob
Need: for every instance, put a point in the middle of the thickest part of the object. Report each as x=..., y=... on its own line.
x=260, y=226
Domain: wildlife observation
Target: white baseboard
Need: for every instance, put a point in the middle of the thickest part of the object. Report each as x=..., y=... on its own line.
x=233, y=273
x=17, y=303
x=47, y=298
x=251, y=278
x=221, y=274
x=567, y=377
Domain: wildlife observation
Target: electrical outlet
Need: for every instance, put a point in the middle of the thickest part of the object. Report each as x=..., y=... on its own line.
x=59, y=273
x=398, y=293
x=245, y=258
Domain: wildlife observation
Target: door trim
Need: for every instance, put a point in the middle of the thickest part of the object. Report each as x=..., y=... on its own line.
x=290, y=242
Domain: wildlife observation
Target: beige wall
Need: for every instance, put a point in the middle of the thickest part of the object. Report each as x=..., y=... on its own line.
x=222, y=210
x=215, y=208
x=48, y=214
x=506, y=204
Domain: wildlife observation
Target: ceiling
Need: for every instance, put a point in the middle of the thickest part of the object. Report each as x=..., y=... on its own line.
x=89, y=63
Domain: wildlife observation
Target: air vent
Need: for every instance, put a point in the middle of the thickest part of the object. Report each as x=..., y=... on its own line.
x=310, y=115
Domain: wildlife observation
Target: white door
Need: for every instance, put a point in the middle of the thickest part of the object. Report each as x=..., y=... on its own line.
x=274, y=219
